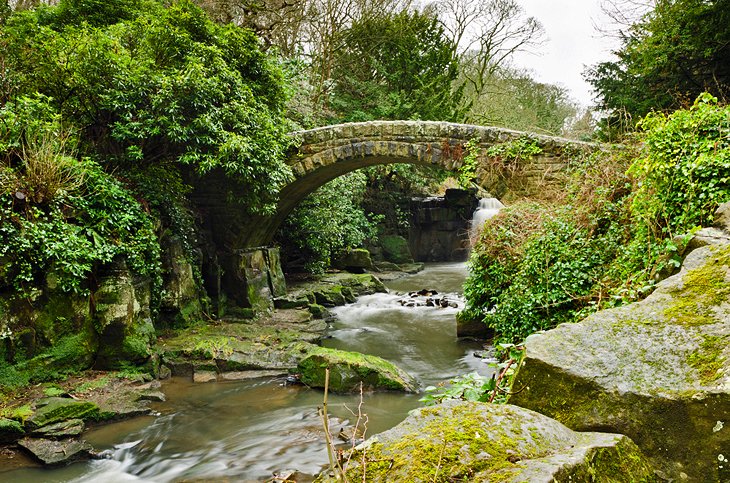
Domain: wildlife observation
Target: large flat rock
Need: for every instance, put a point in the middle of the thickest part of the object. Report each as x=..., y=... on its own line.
x=656, y=371
x=478, y=442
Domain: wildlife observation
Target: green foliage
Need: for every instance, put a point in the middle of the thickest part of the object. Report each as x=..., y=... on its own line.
x=613, y=235
x=474, y=387
x=520, y=149
x=669, y=57
x=468, y=170
x=148, y=83
x=326, y=223
x=395, y=66
x=64, y=240
x=685, y=170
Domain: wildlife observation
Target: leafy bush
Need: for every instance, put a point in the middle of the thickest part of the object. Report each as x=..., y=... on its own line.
x=611, y=238
x=685, y=171
x=326, y=223
x=150, y=84
x=63, y=236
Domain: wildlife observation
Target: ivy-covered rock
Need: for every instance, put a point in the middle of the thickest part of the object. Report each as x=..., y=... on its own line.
x=477, y=442
x=58, y=409
x=349, y=369
x=657, y=371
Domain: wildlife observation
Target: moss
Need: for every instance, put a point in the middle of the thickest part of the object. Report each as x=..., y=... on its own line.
x=56, y=409
x=447, y=448
x=703, y=288
x=10, y=430
x=708, y=361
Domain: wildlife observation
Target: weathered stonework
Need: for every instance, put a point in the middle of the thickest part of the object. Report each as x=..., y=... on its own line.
x=328, y=152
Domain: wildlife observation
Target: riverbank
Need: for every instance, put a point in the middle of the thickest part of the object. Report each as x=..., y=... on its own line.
x=227, y=349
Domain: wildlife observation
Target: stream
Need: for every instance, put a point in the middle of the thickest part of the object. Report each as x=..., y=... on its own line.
x=247, y=431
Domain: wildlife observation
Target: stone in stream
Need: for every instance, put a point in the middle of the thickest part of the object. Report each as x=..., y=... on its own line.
x=657, y=371
x=63, y=429
x=52, y=452
x=479, y=442
x=349, y=369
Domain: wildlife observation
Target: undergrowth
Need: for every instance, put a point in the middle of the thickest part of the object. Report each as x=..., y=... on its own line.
x=612, y=235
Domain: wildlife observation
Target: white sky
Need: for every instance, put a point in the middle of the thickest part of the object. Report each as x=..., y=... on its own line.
x=572, y=43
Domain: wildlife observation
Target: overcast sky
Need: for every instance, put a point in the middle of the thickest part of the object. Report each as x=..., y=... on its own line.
x=572, y=43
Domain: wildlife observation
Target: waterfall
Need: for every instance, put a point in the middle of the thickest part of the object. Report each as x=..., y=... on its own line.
x=488, y=207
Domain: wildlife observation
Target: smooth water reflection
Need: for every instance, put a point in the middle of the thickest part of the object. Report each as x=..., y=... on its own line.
x=247, y=431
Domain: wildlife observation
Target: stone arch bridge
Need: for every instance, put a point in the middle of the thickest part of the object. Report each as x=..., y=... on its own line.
x=328, y=152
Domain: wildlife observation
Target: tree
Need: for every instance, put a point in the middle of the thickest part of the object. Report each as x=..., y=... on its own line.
x=485, y=35
x=149, y=85
x=396, y=66
x=678, y=50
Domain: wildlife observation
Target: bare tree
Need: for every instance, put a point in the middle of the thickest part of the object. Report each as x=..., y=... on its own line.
x=486, y=34
x=623, y=15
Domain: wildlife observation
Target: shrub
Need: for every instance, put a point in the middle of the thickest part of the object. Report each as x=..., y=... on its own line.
x=685, y=170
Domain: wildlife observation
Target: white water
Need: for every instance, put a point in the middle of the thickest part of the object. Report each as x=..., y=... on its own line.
x=488, y=207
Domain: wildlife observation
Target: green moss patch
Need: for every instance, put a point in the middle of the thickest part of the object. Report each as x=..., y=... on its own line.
x=708, y=361
x=703, y=288
x=56, y=409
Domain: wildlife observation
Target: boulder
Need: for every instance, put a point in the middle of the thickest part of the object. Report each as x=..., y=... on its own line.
x=656, y=371
x=122, y=318
x=478, y=442
x=356, y=260
x=10, y=430
x=54, y=410
x=349, y=369
x=395, y=249
x=53, y=452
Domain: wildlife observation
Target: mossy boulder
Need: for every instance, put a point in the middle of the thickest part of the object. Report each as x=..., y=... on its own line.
x=477, y=442
x=356, y=260
x=395, y=249
x=54, y=410
x=349, y=369
x=329, y=295
x=657, y=371
x=122, y=319
x=10, y=430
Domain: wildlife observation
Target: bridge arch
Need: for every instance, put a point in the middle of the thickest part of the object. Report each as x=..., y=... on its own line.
x=328, y=152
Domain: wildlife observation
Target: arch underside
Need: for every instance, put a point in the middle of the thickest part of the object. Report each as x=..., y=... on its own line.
x=264, y=227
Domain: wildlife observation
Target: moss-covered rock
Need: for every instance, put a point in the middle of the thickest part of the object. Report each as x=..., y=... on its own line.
x=349, y=369
x=395, y=249
x=122, y=319
x=57, y=409
x=657, y=371
x=356, y=260
x=10, y=430
x=476, y=442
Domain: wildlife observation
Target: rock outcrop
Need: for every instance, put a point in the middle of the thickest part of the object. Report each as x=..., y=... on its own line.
x=477, y=442
x=657, y=371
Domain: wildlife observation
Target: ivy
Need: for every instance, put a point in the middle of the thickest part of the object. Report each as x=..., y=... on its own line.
x=685, y=170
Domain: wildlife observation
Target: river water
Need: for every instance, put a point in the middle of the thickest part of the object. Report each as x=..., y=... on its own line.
x=247, y=431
